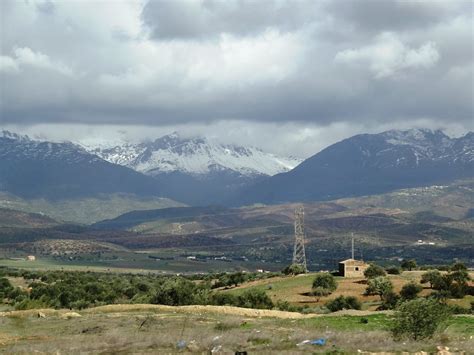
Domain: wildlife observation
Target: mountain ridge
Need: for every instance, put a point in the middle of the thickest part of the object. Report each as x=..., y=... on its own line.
x=196, y=156
x=368, y=164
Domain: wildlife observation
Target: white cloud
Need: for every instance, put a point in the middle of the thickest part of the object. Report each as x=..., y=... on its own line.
x=27, y=57
x=8, y=64
x=389, y=55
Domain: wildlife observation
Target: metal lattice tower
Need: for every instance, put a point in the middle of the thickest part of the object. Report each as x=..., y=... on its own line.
x=299, y=256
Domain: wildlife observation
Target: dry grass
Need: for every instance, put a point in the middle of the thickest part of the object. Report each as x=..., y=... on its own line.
x=146, y=331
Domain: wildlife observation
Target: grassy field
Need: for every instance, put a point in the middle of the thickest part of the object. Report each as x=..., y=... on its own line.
x=161, y=331
x=295, y=289
x=86, y=210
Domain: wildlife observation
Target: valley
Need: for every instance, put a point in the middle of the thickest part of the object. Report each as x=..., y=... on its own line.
x=419, y=223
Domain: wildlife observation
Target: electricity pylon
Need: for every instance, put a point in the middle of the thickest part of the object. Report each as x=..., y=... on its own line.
x=299, y=256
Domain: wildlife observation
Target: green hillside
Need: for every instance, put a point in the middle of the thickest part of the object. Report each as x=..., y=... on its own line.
x=85, y=210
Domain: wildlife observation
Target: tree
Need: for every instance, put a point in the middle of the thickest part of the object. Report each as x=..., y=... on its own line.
x=432, y=277
x=410, y=291
x=458, y=267
x=324, y=284
x=236, y=278
x=419, y=319
x=294, y=269
x=341, y=302
x=408, y=264
x=379, y=286
x=374, y=271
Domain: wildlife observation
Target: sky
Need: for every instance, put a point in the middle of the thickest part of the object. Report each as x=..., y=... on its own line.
x=290, y=77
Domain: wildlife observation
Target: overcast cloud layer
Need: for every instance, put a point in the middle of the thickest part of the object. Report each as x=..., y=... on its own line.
x=259, y=66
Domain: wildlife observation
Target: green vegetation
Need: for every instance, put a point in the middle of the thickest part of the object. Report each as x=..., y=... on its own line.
x=294, y=269
x=79, y=290
x=86, y=210
x=410, y=291
x=374, y=271
x=342, y=302
x=408, y=264
x=419, y=319
x=392, y=270
x=324, y=284
x=433, y=277
x=380, y=286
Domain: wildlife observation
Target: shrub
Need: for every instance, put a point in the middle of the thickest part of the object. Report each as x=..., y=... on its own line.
x=324, y=284
x=410, y=291
x=175, y=292
x=374, y=271
x=419, y=319
x=288, y=307
x=254, y=298
x=5, y=288
x=224, y=299
x=392, y=270
x=457, y=309
x=342, y=302
x=389, y=301
x=294, y=269
x=379, y=286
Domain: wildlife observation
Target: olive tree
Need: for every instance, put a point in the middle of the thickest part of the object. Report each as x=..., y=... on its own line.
x=324, y=284
x=379, y=286
x=374, y=271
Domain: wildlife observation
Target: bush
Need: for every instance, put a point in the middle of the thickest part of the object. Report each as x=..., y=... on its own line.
x=389, y=301
x=294, y=269
x=5, y=288
x=392, y=270
x=288, y=307
x=374, y=271
x=379, y=286
x=419, y=319
x=457, y=309
x=324, y=284
x=175, y=292
x=410, y=291
x=224, y=299
x=254, y=298
x=342, y=302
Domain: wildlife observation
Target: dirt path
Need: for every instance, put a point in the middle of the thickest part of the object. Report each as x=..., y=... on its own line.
x=195, y=309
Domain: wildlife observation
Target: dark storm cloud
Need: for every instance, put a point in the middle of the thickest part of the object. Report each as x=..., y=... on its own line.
x=199, y=19
x=189, y=62
x=395, y=15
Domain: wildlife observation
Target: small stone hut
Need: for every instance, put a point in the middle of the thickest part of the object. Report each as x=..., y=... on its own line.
x=352, y=268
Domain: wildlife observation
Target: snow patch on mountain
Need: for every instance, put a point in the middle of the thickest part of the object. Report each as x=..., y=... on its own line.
x=198, y=156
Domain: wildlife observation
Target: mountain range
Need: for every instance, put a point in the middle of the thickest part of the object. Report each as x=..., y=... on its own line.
x=370, y=164
x=197, y=171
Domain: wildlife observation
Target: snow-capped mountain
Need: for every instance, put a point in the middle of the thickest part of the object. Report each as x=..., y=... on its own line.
x=194, y=156
x=33, y=168
x=371, y=163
